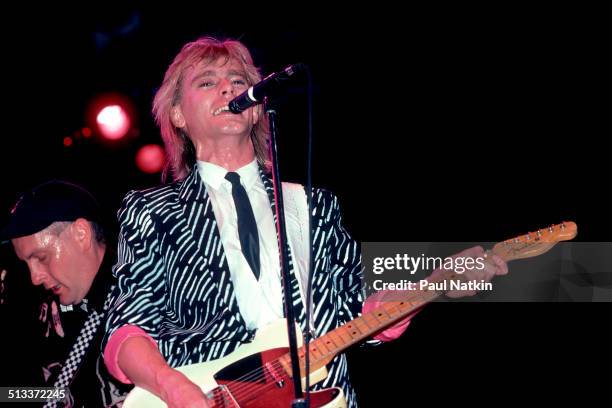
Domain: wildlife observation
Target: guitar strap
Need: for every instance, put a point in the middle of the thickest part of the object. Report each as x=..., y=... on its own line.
x=75, y=358
x=296, y=220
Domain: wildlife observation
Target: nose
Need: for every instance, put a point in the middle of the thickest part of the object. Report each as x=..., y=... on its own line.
x=37, y=275
x=226, y=87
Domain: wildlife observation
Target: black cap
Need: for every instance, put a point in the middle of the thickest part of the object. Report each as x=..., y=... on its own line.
x=47, y=203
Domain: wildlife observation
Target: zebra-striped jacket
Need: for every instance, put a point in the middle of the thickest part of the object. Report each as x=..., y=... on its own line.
x=174, y=281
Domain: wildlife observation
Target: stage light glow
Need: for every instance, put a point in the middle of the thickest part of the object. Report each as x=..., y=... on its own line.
x=150, y=158
x=113, y=122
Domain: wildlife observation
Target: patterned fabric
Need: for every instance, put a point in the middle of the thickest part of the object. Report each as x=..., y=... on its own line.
x=174, y=282
x=79, y=349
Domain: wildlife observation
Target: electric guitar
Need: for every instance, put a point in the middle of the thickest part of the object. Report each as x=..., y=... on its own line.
x=258, y=374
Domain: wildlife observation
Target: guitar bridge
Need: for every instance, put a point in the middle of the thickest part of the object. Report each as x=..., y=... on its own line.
x=275, y=375
x=222, y=397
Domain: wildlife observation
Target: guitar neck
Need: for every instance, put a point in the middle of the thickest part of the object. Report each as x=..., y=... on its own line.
x=325, y=348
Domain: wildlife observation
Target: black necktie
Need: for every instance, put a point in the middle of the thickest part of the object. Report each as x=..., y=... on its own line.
x=247, y=228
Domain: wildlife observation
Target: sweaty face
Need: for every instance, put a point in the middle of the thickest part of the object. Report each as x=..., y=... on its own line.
x=55, y=262
x=206, y=91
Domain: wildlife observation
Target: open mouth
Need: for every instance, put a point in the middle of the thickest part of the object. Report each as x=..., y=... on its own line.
x=221, y=110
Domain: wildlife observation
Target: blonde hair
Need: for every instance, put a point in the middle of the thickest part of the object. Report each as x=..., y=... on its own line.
x=180, y=153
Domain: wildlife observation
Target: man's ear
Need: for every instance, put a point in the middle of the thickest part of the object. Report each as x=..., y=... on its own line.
x=176, y=116
x=82, y=232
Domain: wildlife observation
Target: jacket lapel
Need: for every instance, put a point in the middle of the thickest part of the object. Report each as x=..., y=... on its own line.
x=201, y=222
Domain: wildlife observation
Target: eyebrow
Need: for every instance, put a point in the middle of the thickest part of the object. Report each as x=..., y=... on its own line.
x=25, y=258
x=212, y=73
x=34, y=254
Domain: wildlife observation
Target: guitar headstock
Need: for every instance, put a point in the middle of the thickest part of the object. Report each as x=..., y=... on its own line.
x=535, y=243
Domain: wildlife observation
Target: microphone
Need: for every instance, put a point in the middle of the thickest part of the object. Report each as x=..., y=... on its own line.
x=257, y=92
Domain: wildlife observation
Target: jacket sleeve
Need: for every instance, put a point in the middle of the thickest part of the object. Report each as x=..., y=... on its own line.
x=139, y=297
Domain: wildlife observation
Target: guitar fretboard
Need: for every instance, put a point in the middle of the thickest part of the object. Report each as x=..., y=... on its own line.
x=323, y=349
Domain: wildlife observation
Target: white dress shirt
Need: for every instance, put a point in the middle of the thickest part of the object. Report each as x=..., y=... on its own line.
x=260, y=302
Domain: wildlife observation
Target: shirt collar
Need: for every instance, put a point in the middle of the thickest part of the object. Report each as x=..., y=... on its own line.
x=214, y=175
x=101, y=284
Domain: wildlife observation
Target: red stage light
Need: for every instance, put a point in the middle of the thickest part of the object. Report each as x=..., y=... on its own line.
x=112, y=118
x=150, y=158
x=113, y=122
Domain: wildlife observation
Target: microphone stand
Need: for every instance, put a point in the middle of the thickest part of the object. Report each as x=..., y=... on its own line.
x=299, y=401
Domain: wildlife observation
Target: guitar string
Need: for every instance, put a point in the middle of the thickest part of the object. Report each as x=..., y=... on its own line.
x=221, y=402
x=239, y=389
x=244, y=386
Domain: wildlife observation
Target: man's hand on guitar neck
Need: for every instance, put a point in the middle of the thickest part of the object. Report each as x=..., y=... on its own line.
x=375, y=301
x=493, y=265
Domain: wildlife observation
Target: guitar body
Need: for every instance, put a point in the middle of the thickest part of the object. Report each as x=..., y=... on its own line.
x=250, y=377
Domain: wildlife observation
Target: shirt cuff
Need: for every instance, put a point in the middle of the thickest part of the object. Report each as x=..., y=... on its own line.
x=111, y=352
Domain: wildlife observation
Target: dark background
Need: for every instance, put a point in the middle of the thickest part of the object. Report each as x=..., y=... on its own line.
x=449, y=124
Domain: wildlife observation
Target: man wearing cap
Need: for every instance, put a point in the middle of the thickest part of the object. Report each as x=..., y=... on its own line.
x=56, y=229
